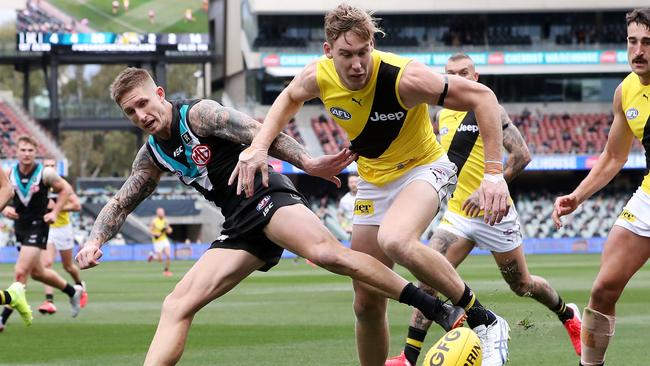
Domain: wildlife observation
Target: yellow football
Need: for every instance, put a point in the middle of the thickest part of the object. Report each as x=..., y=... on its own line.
x=459, y=347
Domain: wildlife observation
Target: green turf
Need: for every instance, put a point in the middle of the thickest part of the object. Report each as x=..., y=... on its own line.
x=169, y=15
x=297, y=315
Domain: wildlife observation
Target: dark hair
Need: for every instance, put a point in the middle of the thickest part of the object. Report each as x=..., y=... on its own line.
x=639, y=16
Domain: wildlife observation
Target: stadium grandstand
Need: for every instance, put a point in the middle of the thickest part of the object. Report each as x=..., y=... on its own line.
x=554, y=65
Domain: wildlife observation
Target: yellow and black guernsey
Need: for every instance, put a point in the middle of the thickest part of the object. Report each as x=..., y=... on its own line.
x=459, y=135
x=635, y=100
x=389, y=138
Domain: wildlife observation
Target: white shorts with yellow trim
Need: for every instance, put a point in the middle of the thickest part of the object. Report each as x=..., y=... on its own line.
x=373, y=201
x=62, y=237
x=160, y=245
x=502, y=237
x=636, y=214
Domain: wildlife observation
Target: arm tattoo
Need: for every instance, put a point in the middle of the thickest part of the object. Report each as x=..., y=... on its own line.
x=140, y=184
x=209, y=118
x=518, y=154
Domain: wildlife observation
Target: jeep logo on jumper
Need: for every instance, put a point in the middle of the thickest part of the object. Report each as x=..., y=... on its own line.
x=468, y=128
x=387, y=116
x=340, y=113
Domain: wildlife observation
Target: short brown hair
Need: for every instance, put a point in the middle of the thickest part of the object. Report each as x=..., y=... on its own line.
x=640, y=16
x=347, y=18
x=127, y=80
x=28, y=140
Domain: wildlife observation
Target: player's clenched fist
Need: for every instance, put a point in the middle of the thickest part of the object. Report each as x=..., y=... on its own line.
x=88, y=257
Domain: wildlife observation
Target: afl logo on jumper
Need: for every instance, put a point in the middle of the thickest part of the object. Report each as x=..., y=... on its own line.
x=201, y=155
x=631, y=113
x=340, y=113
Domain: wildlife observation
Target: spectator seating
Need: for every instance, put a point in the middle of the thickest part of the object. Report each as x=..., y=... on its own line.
x=582, y=133
x=11, y=126
x=331, y=136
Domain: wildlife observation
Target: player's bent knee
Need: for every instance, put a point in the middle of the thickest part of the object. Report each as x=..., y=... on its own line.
x=369, y=307
x=21, y=274
x=605, y=293
x=396, y=247
x=177, y=306
x=69, y=268
x=522, y=288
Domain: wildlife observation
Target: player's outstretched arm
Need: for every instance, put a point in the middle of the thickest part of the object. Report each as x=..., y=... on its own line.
x=209, y=118
x=419, y=84
x=610, y=162
x=143, y=180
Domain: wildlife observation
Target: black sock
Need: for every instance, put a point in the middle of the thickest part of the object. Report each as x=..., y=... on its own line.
x=6, y=312
x=49, y=298
x=413, y=344
x=563, y=312
x=476, y=313
x=69, y=290
x=427, y=304
x=5, y=297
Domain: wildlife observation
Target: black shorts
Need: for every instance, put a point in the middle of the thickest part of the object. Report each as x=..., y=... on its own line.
x=245, y=229
x=32, y=234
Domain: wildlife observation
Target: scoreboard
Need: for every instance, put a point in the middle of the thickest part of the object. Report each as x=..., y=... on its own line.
x=112, y=42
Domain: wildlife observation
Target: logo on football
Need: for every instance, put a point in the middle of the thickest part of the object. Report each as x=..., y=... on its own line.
x=459, y=347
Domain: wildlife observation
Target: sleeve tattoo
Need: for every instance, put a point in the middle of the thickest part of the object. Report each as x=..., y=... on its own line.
x=140, y=184
x=518, y=153
x=209, y=118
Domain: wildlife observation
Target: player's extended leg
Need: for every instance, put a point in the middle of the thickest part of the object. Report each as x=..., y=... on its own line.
x=514, y=270
x=298, y=229
x=52, y=278
x=166, y=252
x=455, y=249
x=47, y=259
x=371, y=327
x=215, y=273
x=399, y=236
x=67, y=260
x=624, y=253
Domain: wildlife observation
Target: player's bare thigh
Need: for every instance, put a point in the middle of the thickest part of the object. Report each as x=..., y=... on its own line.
x=410, y=213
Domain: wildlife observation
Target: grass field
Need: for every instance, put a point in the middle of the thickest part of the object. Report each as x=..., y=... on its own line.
x=169, y=15
x=298, y=315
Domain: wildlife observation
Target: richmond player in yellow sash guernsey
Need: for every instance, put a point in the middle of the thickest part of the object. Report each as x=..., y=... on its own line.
x=460, y=138
x=396, y=145
x=636, y=106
